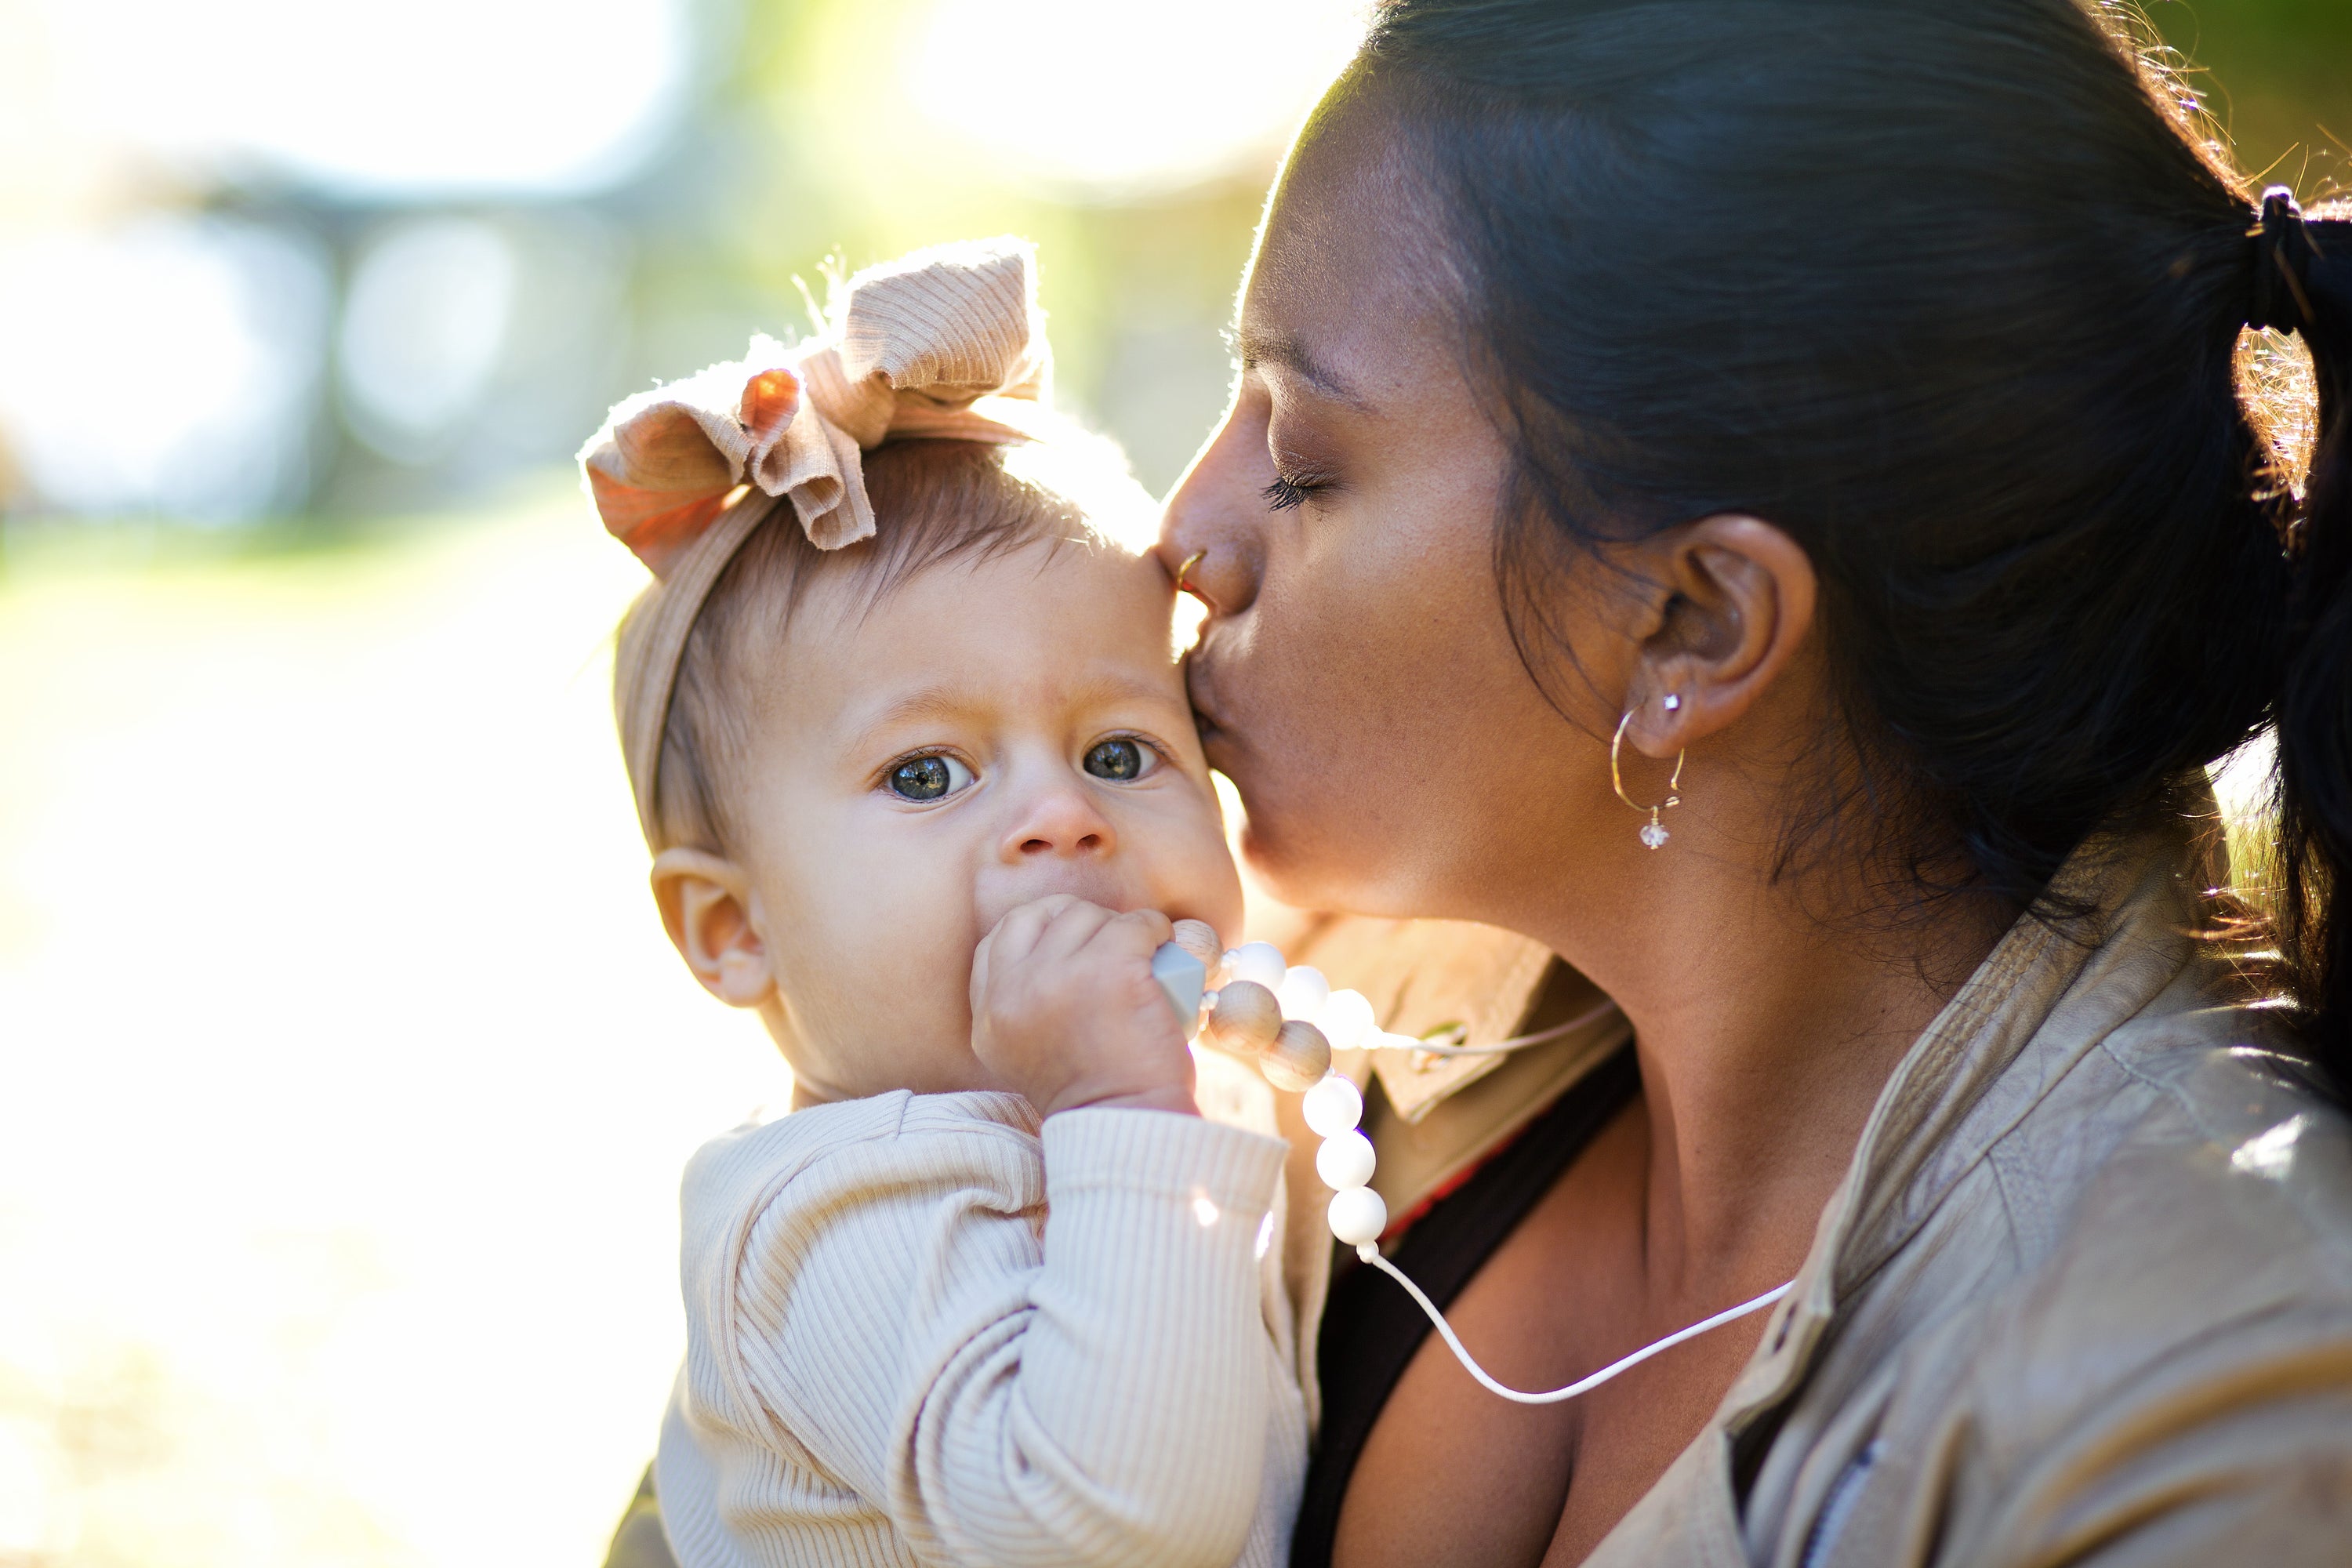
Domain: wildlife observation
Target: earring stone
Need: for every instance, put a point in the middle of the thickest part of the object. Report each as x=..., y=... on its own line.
x=1654, y=835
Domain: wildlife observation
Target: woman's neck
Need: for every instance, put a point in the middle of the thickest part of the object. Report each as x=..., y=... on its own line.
x=1764, y=1042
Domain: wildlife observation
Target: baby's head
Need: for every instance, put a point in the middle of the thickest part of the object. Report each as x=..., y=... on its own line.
x=868, y=754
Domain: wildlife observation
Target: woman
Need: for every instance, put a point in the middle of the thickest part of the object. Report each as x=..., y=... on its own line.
x=1821, y=413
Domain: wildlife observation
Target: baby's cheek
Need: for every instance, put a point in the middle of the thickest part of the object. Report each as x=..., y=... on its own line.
x=1199, y=881
x=887, y=966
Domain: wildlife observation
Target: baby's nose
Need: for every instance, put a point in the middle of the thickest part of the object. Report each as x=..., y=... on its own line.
x=1060, y=822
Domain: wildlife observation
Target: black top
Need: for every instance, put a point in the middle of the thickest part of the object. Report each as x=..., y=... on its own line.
x=1371, y=1328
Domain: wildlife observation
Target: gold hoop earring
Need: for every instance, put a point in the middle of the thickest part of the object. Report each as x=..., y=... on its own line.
x=1653, y=832
x=1186, y=570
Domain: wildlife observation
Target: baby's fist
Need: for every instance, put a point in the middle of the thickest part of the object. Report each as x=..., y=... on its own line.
x=1065, y=1009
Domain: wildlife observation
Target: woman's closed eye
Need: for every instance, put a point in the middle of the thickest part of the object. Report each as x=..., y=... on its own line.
x=1286, y=493
x=1123, y=759
x=935, y=775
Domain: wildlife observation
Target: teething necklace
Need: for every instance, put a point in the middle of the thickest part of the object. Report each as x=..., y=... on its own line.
x=1289, y=1020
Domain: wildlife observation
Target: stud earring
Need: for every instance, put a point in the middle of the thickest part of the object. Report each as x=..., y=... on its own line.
x=1653, y=832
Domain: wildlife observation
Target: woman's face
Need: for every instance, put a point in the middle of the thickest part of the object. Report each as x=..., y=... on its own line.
x=1355, y=676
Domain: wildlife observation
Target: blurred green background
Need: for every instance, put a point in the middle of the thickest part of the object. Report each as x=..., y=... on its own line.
x=347, y=1075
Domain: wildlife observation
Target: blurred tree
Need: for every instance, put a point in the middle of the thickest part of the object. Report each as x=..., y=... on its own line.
x=2277, y=75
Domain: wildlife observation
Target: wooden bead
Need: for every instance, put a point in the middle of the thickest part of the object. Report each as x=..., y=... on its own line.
x=1298, y=1058
x=1246, y=1019
x=1199, y=938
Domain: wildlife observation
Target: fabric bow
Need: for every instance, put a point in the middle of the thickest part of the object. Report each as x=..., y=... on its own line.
x=947, y=342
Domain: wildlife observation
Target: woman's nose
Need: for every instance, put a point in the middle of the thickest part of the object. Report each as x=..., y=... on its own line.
x=1208, y=533
x=1062, y=821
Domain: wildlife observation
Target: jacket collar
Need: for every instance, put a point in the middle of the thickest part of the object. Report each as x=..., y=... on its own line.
x=2044, y=997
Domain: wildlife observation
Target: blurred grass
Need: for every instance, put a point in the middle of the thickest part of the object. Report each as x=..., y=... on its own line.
x=350, y=1074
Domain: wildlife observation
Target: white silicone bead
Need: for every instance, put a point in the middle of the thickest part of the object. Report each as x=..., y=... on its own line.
x=1346, y=1020
x=1333, y=1106
x=1345, y=1161
x=1303, y=991
x=1258, y=961
x=1357, y=1216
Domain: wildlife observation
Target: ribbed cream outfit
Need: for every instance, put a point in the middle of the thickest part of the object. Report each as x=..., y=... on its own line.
x=922, y=1330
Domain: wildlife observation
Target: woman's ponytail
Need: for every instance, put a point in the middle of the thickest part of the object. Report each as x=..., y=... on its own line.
x=2302, y=283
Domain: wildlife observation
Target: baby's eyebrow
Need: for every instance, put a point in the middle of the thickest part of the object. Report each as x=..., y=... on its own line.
x=931, y=703
x=949, y=701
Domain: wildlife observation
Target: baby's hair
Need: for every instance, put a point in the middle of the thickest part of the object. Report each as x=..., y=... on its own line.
x=935, y=503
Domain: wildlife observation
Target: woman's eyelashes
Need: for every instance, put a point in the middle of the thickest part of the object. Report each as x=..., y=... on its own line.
x=1298, y=478
x=1286, y=492
x=932, y=777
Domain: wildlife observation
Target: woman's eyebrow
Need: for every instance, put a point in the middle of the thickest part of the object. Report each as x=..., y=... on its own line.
x=1258, y=347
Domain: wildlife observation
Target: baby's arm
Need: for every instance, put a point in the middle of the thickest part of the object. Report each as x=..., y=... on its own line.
x=1122, y=1417
x=1103, y=1398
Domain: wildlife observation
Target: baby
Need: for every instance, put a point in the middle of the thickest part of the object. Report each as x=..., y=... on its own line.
x=911, y=745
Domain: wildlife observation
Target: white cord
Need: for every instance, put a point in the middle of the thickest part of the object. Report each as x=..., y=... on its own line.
x=1517, y=1042
x=1371, y=1255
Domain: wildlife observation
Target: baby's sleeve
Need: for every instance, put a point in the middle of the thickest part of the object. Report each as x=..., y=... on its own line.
x=1100, y=1394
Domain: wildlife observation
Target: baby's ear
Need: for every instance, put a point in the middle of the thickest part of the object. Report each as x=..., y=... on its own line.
x=708, y=910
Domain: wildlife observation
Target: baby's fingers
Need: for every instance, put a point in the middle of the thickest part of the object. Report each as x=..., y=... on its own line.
x=1072, y=927
x=1140, y=931
x=1017, y=934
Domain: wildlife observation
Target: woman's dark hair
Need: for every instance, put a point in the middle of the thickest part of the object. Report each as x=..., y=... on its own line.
x=1953, y=293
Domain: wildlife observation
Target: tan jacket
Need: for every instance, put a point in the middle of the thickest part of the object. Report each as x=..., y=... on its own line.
x=2083, y=1297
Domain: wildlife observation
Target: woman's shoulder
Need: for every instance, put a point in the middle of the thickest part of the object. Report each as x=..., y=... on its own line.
x=2187, y=1167
x=2215, y=1129
x=2223, y=1186
x=2183, y=1324
x=2140, y=1293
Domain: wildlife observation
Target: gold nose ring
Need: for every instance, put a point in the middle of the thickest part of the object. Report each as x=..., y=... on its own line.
x=1186, y=570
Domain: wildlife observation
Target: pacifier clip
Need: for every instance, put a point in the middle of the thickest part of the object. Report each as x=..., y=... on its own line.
x=1288, y=1020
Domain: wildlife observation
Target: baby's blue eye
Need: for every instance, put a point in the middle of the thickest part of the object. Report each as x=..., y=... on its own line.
x=928, y=778
x=1119, y=759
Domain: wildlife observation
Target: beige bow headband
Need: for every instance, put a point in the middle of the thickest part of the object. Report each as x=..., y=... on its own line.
x=947, y=342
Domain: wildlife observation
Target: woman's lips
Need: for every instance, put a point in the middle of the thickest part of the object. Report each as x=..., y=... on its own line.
x=1199, y=689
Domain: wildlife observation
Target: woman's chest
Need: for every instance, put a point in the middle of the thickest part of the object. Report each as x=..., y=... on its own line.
x=1450, y=1474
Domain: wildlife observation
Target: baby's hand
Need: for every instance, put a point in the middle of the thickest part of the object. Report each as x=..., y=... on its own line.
x=1065, y=1009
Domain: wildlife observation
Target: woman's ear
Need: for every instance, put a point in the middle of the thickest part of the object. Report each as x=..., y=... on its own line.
x=711, y=915
x=1735, y=599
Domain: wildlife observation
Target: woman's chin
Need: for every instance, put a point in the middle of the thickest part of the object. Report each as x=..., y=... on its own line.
x=1308, y=873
